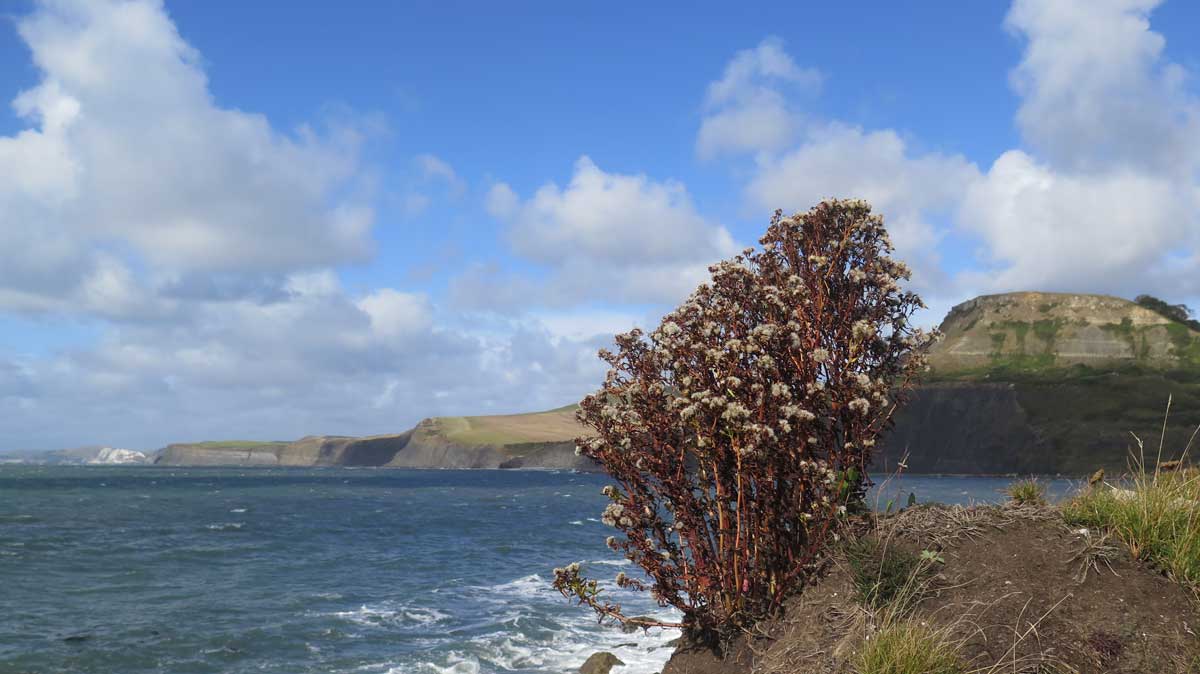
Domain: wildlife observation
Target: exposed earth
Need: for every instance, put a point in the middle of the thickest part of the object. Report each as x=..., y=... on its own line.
x=1015, y=589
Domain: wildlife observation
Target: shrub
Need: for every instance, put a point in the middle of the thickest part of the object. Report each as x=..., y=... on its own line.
x=739, y=431
x=1180, y=313
x=1027, y=492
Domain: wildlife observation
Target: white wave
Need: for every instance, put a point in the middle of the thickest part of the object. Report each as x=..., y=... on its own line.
x=568, y=648
x=391, y=614
x=610, y=562
x=225, y=526
x=238, y=510
x=456, y=664
x=571, y=636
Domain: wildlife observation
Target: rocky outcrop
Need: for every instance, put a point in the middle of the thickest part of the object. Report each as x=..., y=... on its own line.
x=600, y=663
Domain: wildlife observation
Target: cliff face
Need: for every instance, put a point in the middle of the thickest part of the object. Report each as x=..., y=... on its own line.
x=1044, y=330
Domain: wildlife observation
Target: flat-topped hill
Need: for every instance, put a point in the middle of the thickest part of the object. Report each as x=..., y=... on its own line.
x=1038, y=331
x=1035, y=382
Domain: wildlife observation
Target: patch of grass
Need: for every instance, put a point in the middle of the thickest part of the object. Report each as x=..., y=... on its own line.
x=1047, y=331
x=1185, y=346
x=998, y=339
x=236, y=444
x=557, y=425
x=1027, y=492
x=1156, y=515
x=1019, y=328
x=1158, y=519
x=909, y=647
x=886, y=575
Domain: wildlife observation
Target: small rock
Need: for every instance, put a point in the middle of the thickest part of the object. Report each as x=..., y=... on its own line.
x=600, y=663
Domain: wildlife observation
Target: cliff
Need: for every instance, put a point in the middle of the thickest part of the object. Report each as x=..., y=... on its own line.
x=1049, y=383
x=542, y=440
x=1022, y=383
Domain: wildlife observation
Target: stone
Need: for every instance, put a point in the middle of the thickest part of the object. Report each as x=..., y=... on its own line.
x=600, y=663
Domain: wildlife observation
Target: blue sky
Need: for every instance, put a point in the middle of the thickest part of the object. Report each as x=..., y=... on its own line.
x=265, y=220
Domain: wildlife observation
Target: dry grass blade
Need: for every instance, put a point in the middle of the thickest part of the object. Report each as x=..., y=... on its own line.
x=1095, y=550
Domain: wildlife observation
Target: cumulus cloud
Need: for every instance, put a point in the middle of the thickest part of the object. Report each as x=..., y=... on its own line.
x=320, y=361
x=1097, y=91
x=205, y=240
x=502, y=201
x=126, y=146
x=1101, y=197
x=1107, y=197
x=1082, y=232
x=608, y=236
x=747, y=110
x=843, y=161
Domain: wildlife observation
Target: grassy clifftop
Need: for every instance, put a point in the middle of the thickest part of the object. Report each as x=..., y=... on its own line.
x=555, y=425
x=1034, y=332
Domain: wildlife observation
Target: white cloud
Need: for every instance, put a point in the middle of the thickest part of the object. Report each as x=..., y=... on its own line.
x=1109, y=197
x=127, y=151
x=1097, y=92
x=746, y=110
x=842, y=161
x=435, y=168
x=318, y=361
x=502, y=201
x=395, y=314
x=1104, y=199
x=614, y=218
x=611, y=236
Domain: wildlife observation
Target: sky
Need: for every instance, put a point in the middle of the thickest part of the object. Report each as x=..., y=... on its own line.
x=222, y=219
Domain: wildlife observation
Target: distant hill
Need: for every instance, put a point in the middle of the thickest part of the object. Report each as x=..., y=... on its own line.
x=534, y=440
x=1049, y=383
x=1022, y=383
x=1030, y=332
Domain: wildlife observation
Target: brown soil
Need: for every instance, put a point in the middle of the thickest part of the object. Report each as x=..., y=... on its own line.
x=1018, y=590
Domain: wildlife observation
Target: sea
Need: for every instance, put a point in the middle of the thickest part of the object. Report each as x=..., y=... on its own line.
x=138, y=569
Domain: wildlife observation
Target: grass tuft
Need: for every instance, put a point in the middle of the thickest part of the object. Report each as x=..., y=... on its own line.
x=909, y=647
x=1156, y=515
x=885, y=575
x=1027, y=492
x=1157, y=518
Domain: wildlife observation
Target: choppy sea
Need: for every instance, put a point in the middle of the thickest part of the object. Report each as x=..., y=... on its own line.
x=137, y=569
